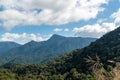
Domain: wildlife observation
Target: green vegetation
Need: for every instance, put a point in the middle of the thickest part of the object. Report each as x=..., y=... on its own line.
x=60, y=69
x=7, y=75
x=98, y=61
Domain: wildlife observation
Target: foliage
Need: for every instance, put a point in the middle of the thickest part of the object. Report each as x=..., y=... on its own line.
x=98, y=61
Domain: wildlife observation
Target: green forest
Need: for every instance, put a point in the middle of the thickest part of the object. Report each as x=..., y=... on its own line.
x=98, y=61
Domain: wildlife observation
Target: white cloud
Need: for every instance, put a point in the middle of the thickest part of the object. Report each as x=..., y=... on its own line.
x=12, y=18
x=101, y=20
x=57, y=29
x=66, y=29
x=95, y=30
x=20, y=38
x=25, y=12
x=60, y=29
x=116, y=16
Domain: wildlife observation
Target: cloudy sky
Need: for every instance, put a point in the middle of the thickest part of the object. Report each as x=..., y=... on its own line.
x=25, y=20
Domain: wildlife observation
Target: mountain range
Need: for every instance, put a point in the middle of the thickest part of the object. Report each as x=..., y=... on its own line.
x=40, y=52
x=7, y=45
x=98, y=61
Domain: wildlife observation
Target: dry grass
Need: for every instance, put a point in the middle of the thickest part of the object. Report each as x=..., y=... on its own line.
x=116, y=71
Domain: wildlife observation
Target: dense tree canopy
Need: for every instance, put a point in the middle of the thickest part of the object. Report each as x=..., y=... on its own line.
x=98, y=61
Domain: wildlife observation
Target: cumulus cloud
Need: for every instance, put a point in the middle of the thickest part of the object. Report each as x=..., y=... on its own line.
x=20, y=38
x=57, y=30
x=95, y=30
x=101, y=20
x=12, y=17
x=36, y=12
x=66, y=29
x=116, y=16
x=60, y=29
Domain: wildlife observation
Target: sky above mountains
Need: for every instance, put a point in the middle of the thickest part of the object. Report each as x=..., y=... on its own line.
x=25, y=20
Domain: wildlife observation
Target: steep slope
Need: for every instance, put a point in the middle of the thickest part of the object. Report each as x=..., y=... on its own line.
x=107, y=48
x=58, y=44
x=5, y=46
x=98, y=61
x=38, y=52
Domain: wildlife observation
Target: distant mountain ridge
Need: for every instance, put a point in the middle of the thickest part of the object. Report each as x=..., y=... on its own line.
x=7, y=45
x=98, y=61
x=40, y=52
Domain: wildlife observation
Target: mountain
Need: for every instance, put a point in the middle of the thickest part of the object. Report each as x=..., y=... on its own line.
x=98, y=61
x=7, y=45
x=40, y=52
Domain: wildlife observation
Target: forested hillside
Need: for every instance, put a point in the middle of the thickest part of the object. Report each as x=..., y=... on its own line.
x=98, y=61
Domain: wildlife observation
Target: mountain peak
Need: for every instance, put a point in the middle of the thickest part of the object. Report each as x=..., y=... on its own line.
x=56, y=37
x=32, y=42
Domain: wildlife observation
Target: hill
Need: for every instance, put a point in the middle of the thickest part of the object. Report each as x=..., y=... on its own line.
x=98, y=61
x=40, y=52
x=7, y=45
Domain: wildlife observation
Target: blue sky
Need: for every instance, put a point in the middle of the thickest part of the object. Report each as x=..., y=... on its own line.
x=40, y=19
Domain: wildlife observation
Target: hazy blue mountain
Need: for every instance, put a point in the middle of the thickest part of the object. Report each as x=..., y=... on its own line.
x=7, y=45
x=38, y=52
x=98, y=61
